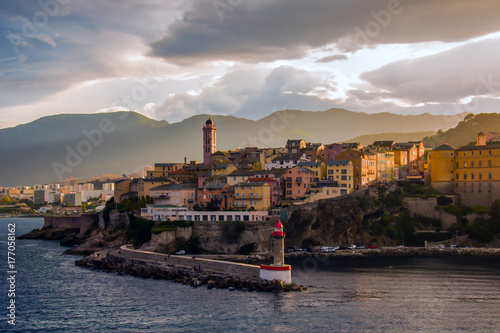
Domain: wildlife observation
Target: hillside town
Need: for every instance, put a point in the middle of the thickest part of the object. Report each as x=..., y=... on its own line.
x=252, y=183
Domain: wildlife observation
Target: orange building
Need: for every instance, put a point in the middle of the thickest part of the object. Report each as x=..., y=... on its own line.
x=364, y=167
x=298, y=180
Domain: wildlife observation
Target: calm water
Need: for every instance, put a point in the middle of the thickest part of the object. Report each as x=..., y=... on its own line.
x=438, y=294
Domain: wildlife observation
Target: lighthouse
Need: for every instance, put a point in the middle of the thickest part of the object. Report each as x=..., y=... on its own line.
x=278, y=270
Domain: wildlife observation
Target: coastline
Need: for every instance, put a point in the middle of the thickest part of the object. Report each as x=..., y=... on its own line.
x=403, y=251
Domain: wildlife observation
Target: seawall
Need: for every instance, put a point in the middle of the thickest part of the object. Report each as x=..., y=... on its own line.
x=83, y=222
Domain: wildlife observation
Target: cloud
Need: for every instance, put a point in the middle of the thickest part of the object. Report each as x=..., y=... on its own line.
x=250, y=93
x=334, y=57
x=448, y=76
x=74, y=43
x=260, y=30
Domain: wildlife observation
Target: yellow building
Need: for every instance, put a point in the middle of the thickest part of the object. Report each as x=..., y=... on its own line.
x=318, y=168
x=252, y=194
x=223, y=169
x=472, y=172
x=342, y=172
x=163, y=170
x=441, y=161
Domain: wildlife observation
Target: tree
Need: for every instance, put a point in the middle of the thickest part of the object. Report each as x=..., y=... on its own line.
x=5, y=200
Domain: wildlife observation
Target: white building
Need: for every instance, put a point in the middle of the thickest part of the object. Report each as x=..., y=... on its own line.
x=171, y=212
x=286, y=161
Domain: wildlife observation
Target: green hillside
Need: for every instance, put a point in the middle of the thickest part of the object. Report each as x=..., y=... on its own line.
x=466, y=131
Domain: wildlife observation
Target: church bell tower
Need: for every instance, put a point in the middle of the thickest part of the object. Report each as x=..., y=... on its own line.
x=209, y=140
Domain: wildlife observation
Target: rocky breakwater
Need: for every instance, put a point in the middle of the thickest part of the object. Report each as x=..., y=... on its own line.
x=114, y=261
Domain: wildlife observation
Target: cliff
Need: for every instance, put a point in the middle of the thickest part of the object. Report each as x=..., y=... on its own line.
x=341, y=220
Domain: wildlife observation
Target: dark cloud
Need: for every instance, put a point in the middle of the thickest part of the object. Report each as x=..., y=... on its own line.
x=45, y=49
x=334, y=57
x=252, y=31
x=449, y=76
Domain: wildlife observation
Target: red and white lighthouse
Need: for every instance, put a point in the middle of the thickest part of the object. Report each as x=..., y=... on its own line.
x=278, y=270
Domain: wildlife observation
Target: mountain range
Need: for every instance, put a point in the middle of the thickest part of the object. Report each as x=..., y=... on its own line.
x=84, y=145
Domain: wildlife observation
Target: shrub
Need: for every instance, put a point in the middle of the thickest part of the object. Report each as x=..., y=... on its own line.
x=139, y=230
x=247, y=248
x=444, y=201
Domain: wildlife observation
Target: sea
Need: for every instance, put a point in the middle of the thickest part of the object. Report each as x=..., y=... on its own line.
x=374, y=294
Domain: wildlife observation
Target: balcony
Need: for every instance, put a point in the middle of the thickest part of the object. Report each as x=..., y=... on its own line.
x=298, y=179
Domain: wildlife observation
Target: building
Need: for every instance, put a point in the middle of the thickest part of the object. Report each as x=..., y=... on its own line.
x=145, y=185
x=342, y=172
x=331, y=151
x=472, y=172
x=209, y=140
x=298, y=180
x=163, y=170
x=175, y=194
x=286, y=161
x=252, y=194
x=364, y=167
x=275, y=187
x=295, y=146
x=441, y=164
x=174, y=213
x=219, y=157
x=318, y=168
x=221, y=195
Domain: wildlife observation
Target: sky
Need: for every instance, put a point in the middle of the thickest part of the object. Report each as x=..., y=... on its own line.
x=170, y=60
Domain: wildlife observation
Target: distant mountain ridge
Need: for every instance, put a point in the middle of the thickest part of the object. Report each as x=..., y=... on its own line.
x=85, y=145
x=466, y=130
x=368, y=139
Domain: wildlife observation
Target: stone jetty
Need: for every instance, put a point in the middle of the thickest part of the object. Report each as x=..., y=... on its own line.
x=182, y=269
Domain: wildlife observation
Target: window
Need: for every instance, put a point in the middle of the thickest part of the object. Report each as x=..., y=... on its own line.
x=465, y=164
x=472, y=164
x=480, y=176
x=480, y=163
x=472, y=176
x=457, y=176
x=289, y=192
x=489, y=163
x=465, y=176
x=330, y=172
x=490, y=175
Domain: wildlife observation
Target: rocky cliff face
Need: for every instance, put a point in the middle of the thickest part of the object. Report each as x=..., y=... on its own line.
x=329, y=222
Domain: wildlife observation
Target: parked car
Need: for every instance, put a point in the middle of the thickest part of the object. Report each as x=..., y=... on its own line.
x=361, y=247
x=180, y=252
x=371, y=247
x=440, y=246
x=351, y=247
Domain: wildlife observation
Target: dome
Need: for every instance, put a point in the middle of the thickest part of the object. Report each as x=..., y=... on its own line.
x=279, y=225
x=209, y=121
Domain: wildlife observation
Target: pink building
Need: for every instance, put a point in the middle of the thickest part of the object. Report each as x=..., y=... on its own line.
x=297, y=182
x=175, y=194
x=332, y=151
